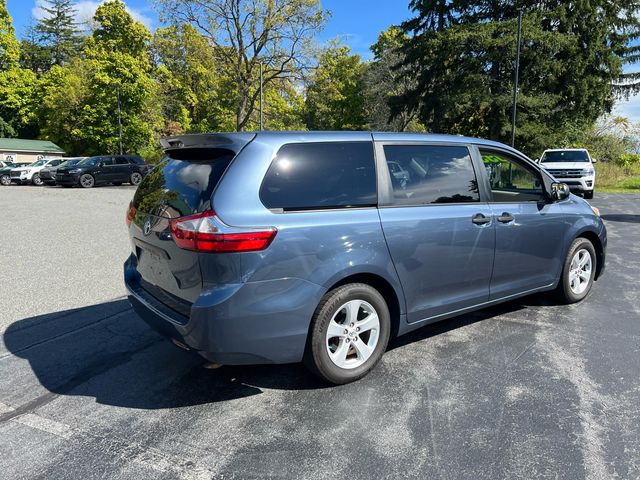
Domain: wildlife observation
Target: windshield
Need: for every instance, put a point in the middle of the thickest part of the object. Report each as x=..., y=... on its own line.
x=565, y=156
x=91, y=161
x=39, y=163
x=69, y=163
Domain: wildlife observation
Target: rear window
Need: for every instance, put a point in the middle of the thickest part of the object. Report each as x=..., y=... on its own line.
x=175, y=188
x=311, y=176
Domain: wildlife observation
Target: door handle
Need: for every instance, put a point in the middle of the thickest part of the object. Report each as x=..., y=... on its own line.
x=480, y=219
x=506, y=217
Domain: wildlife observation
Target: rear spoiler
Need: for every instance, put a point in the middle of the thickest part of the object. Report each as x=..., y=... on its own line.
x=223, y=141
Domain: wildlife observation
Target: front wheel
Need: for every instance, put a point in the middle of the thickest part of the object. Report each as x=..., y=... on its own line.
x=36, y=180
x=349, y=333
x=87, y=181
x=136, y=178
x=578, y=271
x=588, y=195
x=5, y=180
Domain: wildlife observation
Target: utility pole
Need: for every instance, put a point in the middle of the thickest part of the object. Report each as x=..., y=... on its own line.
x=515, y=81
x=260, y=95
x=119, y=118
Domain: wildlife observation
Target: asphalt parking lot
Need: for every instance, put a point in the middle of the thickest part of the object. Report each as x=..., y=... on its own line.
x=528, y=389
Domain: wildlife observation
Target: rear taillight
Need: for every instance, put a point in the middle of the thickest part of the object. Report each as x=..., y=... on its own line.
x=131, y=213
x=205, y=232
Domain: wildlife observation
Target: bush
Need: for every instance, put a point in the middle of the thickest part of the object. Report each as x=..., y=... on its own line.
x=629, y=159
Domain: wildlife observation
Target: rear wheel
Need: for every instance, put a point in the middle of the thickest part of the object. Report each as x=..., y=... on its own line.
x=578, y=271
x=136, y=178
x=588, y=195
x=349, y=333
x=36, y=180
x=87, y=181
x=5, y=180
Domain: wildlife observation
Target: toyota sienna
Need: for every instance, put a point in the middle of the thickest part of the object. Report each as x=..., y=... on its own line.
x=278, y=247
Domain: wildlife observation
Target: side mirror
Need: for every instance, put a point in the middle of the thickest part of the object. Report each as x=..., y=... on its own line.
x=593, y=160
x=101, y=164
x=560, y=191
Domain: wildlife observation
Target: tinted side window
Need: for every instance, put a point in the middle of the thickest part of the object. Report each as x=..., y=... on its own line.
x=122, y=161
x=510, y=180
x=306, y=176
x=425, y=174
x=107, y=161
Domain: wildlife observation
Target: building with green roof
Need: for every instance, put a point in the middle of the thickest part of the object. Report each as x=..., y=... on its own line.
x=27, y=151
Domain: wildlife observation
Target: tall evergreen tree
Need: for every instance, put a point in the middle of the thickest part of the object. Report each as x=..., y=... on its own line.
x=58, y=31
x=571, y=64
x=9, y=46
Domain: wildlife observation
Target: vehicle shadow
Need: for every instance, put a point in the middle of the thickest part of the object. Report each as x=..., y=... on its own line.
x=107, y=352
x=620, y=217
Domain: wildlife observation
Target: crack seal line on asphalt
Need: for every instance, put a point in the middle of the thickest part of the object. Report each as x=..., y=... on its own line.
x=74, y=382
x=66, y=334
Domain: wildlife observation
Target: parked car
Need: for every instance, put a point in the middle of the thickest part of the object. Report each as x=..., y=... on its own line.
x=48, y=174
x=573, y=166
x=5, y=172
x=277, y=247
x=104, y=169
x=31, y=173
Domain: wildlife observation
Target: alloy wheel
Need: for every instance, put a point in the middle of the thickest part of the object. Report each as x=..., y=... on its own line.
x=353, y=334
x=86, y=181
x=580, y=271
x=136, y=178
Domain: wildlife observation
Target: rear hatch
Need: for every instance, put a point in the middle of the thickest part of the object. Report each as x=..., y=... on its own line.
x=181, y=185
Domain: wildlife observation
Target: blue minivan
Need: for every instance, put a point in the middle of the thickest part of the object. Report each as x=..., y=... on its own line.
x=278, y=247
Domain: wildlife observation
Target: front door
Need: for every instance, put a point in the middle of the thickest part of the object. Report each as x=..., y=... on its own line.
x=438, y=228
x=529, y=228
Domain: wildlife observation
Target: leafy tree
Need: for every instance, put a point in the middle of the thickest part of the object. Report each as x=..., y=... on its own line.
x=33, y=55
x=9, y=46
x=82, y=95
x=57, y=31
x=244, y=33
x=571, y=59
x=335, y=97
x=195, y=95
x=386, y=77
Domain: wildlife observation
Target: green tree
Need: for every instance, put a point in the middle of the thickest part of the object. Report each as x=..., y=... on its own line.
x=335, y=97
x=464, y=51
x=82, y=95
x=57, y=31
x=245, y=33
x=196, y=95
x=386, y=77
x=9, y=46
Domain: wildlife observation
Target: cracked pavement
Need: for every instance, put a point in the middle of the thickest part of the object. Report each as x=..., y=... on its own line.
x=527, y=389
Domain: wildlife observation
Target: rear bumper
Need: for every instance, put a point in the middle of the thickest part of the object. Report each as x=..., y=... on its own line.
x=235, y=324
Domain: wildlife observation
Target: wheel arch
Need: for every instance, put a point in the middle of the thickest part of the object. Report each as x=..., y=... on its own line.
x=597, y=245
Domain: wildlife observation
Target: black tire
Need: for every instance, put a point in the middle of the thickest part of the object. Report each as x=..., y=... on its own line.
x=5, y=180
x=87, y=180
x=317, y=357
x=36, y=180
x=135, y=179
x=565, y=293
x=588, y=195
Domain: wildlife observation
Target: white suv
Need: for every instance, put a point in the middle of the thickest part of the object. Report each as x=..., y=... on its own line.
x=30, y=173
x=573, y=166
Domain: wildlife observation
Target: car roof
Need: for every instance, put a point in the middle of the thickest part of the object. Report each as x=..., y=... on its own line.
x=565, y=150
x=236, y=140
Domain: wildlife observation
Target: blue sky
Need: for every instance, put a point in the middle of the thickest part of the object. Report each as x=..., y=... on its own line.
x=358, y=22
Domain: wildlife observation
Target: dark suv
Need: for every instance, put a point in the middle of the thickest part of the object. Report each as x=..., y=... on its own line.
x=100, y=170
x=278, y=247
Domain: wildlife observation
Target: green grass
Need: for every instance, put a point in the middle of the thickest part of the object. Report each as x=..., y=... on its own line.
x=614, y=178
